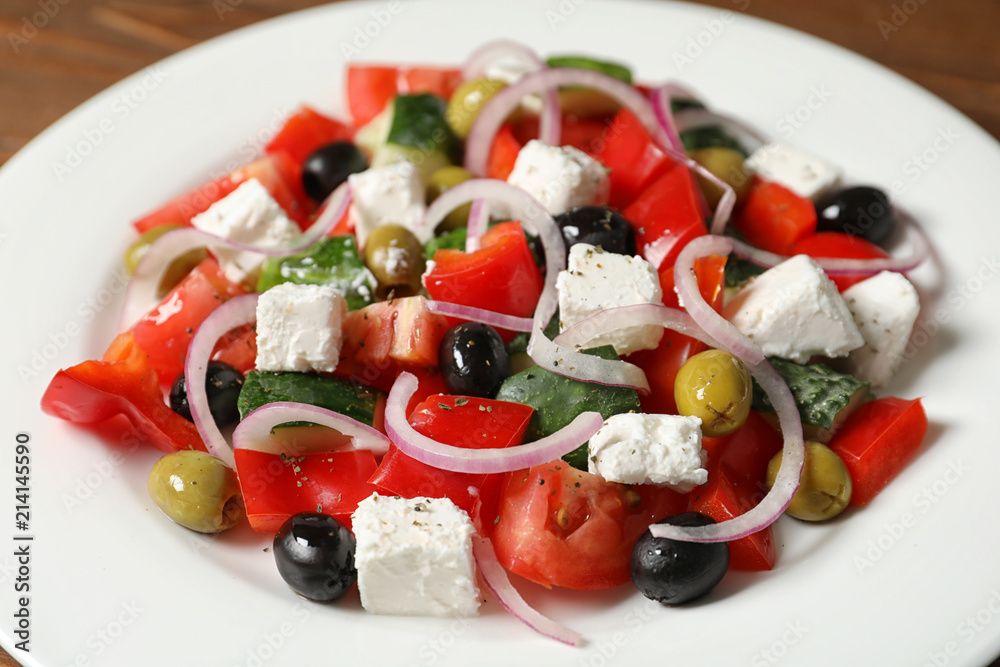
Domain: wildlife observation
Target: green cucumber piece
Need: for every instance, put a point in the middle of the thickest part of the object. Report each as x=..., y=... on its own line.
x=706, y=137
x=418, y=121
x=823, y=396
x=355, y=400
x=453, y=240
x=557, y=401
x=739, y=270
x=583, y=62
x=333, y=261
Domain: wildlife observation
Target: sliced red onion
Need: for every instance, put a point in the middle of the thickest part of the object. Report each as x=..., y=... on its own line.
x=493, y=114
x=686, y=283
x=695, y=118
x=234, y=313
x=460, y=459
x=254, y=431
x=494, y=319
x=496, y=580
x=480, y=60
x=479, y=220
x=141, y=294
x=786, y=482
x=660, y=99
x=917, y=240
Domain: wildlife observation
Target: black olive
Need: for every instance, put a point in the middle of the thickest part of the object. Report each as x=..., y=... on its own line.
x=675, y=572
x=860, y=211
x=473, y=360
x=315, y=556
x=598, y=226
x=329, y=166
x=222, y=384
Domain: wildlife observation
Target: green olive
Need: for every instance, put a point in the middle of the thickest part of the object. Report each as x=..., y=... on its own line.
x=441, y=180
x=179, y=268
x=196, y=490
x=396, y=258
x=715, y=386
x=824, y=486
x=467, y=101
x=727, y=164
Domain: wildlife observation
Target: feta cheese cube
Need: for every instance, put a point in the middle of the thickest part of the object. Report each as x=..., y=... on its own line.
x=793, y=311
x=559, y=177
x=414, y=557
x=885, y=308
x=595, y=280
x=805, y=175
x=300, y=328
x=390, y=194
x=248, y=215
x=635, y=448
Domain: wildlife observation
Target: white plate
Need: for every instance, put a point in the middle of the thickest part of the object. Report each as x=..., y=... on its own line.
x=113, y=583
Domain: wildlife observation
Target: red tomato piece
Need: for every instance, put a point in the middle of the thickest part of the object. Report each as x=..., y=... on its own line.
x=238, y=348
x=632, y=156
x=838, y=244
x=661, y=365
x=276, y=173
x=384, y=337
x=559, y=526
x=305, y=131
x=371, y=87
x=587, y=134
x=773, y=217
x=737, y=481
x=501, y=276
x=473, y=423
x=276, y=486
x=877, y=441
x=121, y=383
x=666, y=215
x=503, y=153
x=165, y=332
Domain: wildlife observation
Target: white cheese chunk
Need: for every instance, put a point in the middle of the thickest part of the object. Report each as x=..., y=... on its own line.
x=414, y=557
x=300, y=328
x=804, y=174
x=885, y=308
x=393, y=194
x=635, y=448
x=794, y=311
x=248, y=215
x=595, y=280
x=559, y=177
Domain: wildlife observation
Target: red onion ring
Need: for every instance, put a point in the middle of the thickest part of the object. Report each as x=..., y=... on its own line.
x=496, y=580
x=236, y=312
x=493, y=114
x=479, y=220
x=695, y=118
x=142, y=289
x=254, y=431
x=460, y=459
x=660, y=99
x=494, y=319
x=686, y=284
x=793, y=453
x=479, y=61
x=919, y=252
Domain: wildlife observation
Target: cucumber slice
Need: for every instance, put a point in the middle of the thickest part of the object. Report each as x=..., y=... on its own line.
x=333, y=261
x=583, y=62
x=353, y=399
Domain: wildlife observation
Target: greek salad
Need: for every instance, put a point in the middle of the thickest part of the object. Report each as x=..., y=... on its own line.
x=520, y=315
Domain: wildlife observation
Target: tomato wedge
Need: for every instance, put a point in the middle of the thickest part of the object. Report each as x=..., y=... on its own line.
x=460, y=421
x=632, y=156
x=840, y=245
x=773, y=217
x=371, y=87
x=666, y=215
x=877, y=441
x=275, y=486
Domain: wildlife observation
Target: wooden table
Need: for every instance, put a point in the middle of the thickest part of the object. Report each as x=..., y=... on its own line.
x=950, y=48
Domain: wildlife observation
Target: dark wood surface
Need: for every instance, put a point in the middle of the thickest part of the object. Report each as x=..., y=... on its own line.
x=950, y=48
